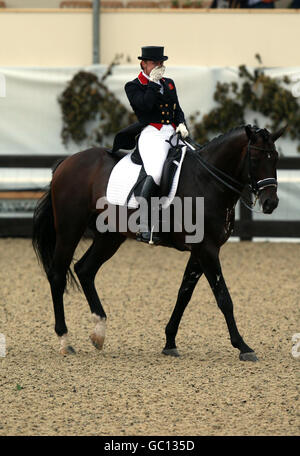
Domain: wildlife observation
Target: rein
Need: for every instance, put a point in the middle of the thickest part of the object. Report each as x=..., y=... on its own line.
x=249, y=205
x=230, y=182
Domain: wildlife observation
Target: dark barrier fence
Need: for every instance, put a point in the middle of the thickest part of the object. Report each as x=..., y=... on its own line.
x=245, y=228
x=15, y=225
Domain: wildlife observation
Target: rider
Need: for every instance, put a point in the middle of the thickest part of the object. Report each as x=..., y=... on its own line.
x=155, y=103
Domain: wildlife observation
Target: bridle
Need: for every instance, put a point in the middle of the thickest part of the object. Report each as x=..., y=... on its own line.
x=257, y=186
x=254, y=186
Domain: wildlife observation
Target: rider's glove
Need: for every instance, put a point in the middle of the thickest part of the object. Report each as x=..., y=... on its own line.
x=182, y=130
x=157, y=73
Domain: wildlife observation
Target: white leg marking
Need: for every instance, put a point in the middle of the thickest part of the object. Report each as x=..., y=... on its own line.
x=98, y=336
x=63, y=343
x=100, y=325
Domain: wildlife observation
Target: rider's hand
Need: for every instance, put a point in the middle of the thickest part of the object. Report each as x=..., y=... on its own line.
x=157, y=73
x=182, y=130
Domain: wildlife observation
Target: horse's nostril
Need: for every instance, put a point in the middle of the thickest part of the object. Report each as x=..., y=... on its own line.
x=269, y=206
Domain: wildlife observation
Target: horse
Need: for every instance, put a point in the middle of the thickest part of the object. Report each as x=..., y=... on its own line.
x=243, y=157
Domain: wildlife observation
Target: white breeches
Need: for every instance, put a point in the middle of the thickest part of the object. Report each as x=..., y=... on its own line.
x=154, y=149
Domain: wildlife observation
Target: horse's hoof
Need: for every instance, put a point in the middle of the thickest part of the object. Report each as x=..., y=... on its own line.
x=67, y=351
x=171, y=352
x=97, y=341
x=251, y=356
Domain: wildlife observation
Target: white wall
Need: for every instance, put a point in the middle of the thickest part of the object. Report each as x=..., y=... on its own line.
x=55, y=3
x=32, y=3
x=217, y=38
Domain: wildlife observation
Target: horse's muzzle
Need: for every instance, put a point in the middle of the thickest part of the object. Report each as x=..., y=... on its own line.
x=269, y=205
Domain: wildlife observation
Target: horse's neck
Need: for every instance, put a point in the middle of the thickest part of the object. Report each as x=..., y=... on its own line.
x=229, y=157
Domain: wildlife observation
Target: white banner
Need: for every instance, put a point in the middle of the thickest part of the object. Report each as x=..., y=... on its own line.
x=2, y=86
x=31, y=119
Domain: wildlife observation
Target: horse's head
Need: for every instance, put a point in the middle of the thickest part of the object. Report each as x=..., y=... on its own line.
x=262, y=159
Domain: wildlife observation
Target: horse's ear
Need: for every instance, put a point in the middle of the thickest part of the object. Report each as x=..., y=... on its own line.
x=279, y=133
x=249, y=132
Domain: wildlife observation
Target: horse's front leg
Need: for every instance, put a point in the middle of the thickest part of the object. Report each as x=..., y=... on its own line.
x=190, y=279
x=210, y=262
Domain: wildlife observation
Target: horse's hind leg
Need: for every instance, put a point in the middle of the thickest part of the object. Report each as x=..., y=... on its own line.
x=102, y=249
x=57, y=276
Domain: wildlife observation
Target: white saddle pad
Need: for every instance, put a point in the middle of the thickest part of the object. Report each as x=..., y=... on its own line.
x=124, y=176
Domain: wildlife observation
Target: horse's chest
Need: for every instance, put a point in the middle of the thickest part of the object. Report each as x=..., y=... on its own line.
x=224, y=228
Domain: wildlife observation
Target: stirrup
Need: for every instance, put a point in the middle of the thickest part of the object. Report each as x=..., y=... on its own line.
x=149, y=237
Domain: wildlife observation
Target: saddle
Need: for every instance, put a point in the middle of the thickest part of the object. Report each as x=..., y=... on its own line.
x=128, y=139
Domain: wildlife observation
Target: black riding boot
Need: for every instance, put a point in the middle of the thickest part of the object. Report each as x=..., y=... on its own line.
x=149, y=189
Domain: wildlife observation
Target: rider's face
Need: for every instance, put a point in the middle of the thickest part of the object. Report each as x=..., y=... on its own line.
x=148, y=65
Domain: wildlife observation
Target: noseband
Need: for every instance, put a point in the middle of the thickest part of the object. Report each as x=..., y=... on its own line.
x=258, y=186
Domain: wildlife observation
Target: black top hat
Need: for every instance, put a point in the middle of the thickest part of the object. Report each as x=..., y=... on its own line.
x=155, y=53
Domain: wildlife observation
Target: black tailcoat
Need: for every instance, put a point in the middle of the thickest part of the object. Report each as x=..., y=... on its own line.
x=150, y=106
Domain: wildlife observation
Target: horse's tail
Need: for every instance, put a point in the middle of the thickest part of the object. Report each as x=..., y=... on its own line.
x=44, y=234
